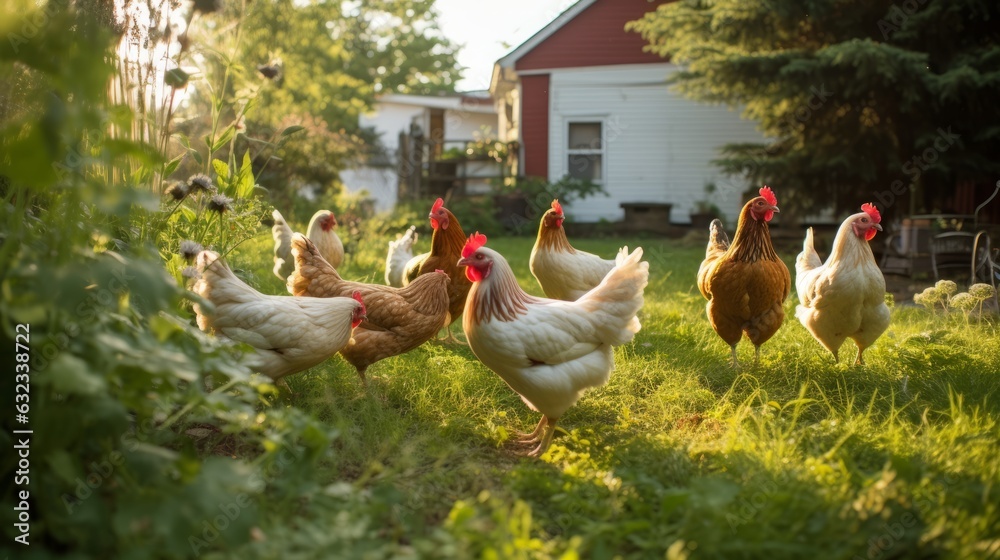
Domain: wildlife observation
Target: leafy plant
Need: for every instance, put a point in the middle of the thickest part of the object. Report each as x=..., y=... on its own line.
x=706, y=205
x=541, y=192
x=136, y=415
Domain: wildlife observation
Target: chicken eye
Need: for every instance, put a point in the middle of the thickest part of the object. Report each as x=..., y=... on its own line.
x=479, y=256
x=864, y=220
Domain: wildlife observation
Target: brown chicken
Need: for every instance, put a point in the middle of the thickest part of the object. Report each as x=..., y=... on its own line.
x=745, y=282
x=446, y=248
x=398, y=319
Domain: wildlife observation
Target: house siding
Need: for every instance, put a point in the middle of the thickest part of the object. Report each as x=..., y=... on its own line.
x=535, y=124
x=657, y=145
x=595, y=37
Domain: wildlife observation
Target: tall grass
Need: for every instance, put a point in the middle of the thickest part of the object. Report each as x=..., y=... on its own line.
x=681, y=455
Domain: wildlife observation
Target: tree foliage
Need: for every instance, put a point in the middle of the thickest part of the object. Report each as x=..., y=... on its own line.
x=318, y=65
x=855, y=98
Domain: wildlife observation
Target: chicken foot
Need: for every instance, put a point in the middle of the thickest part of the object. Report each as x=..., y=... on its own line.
x=533, y=437
x=450, y=339
x=550, y=431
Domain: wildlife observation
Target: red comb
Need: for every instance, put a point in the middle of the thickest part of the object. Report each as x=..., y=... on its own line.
x=476, y=240
x=870, y=209
x=437, y=205
x=556, y=206
x=357, y=297
x=768, y=195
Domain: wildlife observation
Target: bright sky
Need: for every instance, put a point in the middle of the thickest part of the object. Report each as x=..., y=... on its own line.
x=487, y=31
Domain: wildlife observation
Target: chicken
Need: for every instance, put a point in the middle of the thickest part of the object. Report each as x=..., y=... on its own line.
x=290, y=334
x=844, y=297
x=398, y=319
x=320, y=232
x=745, y=282
x=562, y=271
x=446, y=248
x=549, y=351
x=400, y=253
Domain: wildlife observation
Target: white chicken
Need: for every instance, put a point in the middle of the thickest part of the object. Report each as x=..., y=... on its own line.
x=400, y=253
x=320, y=232
x=845, y=297
x=290, y=334
x=549, y=351
x=563, y=272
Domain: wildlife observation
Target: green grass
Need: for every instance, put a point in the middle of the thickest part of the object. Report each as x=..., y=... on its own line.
x=679, y=455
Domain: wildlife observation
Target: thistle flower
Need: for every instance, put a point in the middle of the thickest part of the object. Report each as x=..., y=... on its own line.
x=982, y=291
x=200, y=183
x=927, y=298
x=190, y=249
x=178, y=191
x=220, y=203
x=964, y=301
x=946, y=287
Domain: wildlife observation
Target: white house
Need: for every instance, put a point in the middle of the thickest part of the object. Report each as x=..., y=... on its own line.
x=445, y=121
x=584, y=99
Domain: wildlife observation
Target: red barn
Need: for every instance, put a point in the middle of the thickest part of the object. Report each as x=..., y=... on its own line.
x=584, y=99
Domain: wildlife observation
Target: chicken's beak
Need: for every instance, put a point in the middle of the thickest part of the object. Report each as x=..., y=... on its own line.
x=464, y=262
x=876, y=226
x=773, y=209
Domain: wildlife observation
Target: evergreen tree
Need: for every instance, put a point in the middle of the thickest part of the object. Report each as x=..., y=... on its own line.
x=858, y=99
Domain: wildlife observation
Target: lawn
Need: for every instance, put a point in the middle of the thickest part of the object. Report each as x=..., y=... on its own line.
x=678, y=456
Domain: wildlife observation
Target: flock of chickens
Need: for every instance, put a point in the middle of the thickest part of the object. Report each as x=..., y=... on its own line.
x=548, y=350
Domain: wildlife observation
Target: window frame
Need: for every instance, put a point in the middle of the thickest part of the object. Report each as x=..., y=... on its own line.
x=602, y=151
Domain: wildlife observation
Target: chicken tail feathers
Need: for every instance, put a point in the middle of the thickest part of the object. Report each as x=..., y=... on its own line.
x=614, y=303
x=309, y=265
x=808, y=259
x=282, y=235
x=717, y=238
x=409, y=238
x=217, y=285
x=400, y=253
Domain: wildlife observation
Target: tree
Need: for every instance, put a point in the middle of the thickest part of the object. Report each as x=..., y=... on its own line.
x=334, y=57
x=859, y=99
x=317, y=66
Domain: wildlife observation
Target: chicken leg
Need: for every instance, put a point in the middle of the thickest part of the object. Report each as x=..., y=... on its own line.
x=736, y=362
x=861, y=360
x=550, y=431
x=534, y=436
x=361, y=374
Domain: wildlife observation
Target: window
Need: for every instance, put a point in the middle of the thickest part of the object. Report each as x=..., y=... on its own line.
x=585, y=151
